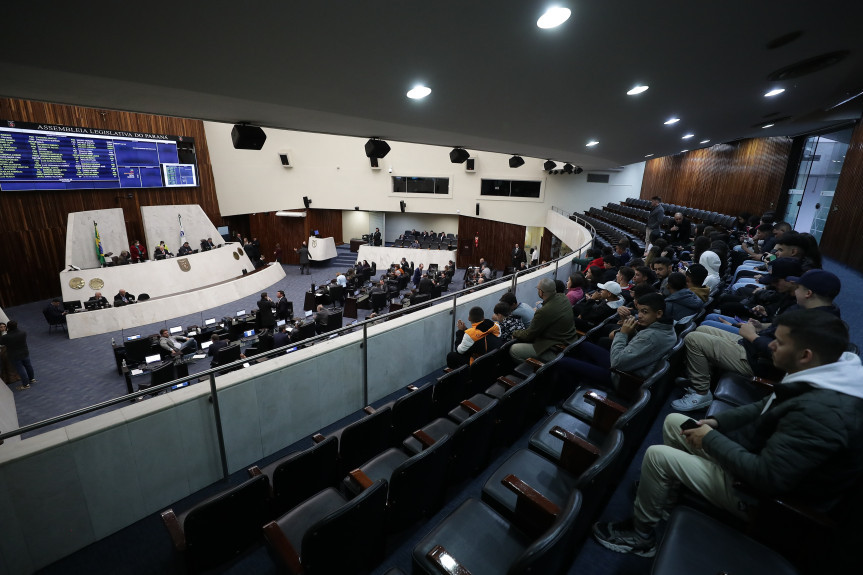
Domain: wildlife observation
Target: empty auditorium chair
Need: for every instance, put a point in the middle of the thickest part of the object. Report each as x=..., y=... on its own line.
x=471, y=441
x=328, y=534
x=509, y=418
x=582, y=402
x=696, y=543
x=475, y=539
x=300, y=475
x=449, y=390
x=363, y=439
x=223, y=527
x=415, y=483
x=410, y=412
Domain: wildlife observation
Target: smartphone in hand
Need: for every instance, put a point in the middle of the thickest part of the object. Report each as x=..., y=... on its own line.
x=689, y=424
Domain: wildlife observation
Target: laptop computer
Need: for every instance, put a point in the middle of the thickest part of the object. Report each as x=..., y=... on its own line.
x=153, y=358
x=309, y=313
x=249, y=333
x=280, y=323
x=206, y=344
x=175, y=329
x=131, y=337
x=210, y=321
x=241, y=313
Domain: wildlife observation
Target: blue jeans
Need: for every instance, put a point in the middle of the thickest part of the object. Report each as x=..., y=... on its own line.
x=24, y=369
x=591, y=365
x=712, y=320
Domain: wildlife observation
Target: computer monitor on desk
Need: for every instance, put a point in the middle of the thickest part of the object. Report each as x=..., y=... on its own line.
x=137, y=349
x=72, y=306
x=133, y=337
x=153, y=358
x=228, y=354
x=249, y=333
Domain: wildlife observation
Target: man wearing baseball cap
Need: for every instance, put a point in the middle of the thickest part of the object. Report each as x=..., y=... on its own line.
x=709, y=347
x=599, y=305
x=816, y=284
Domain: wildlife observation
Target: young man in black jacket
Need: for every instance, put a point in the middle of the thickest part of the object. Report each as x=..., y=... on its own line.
x=804, y=441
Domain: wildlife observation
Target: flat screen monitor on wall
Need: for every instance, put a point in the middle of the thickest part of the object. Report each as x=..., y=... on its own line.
x=55, y=157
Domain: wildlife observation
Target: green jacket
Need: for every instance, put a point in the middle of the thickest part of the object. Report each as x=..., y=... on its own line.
x=552, y=324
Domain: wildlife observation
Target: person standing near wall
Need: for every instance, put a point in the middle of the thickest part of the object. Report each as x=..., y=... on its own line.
x=18, y=353
x=303, y=252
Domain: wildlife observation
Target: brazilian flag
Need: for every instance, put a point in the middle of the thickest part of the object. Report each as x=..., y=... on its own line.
x=99, y=252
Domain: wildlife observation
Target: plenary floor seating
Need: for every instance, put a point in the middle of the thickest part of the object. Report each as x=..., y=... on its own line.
x=221, y=528
x=328, y=534
x=475, y=539
x=416, y=483
x=696, y=543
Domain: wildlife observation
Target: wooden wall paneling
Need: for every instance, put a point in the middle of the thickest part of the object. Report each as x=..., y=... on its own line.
x=841, y=237
x=327, y=222
x=496, y=241
x=726, y=178
x=33, y=223
x=545, y=247
x=271, y=229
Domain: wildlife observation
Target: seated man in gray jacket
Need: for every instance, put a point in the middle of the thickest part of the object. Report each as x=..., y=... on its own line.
x=804, y=441
x=637, y=353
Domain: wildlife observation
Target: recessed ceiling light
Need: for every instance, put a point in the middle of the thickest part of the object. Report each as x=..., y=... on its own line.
x=419, y=92
x=671, y=121
x=703, y=141
x=647, y=155
x=637, y=90
x=554, y=17
x=592, y=143
x=775, y=92
x=687, y=136
x=766, y=126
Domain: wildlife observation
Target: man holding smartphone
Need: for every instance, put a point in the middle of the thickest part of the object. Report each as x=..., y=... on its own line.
x=804, y=441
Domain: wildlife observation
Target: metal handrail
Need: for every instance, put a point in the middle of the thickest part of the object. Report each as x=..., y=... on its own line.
x=212, y=372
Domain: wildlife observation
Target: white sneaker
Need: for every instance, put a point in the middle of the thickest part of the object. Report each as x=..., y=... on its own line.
x=692, y=401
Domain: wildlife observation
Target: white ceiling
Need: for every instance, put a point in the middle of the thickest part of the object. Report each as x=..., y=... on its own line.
x=499, y=83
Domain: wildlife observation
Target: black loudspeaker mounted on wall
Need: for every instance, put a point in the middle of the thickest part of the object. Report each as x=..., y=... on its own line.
x=402, y=205
x=477, y=208
x=470, y=165
x=307, y=202
x=377, y=149
x=458, y=156
x=246, y=137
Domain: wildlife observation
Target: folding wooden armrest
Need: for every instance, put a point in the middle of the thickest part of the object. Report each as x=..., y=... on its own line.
x=424, y=438
x=534, y=363
x=628, y=384
x=446, y=563
x=369, y=409
x=581, y=333
x=533, y=510
x=412, y=388
x=784, y=506
x=558, y=347
x=605, y=411
x=361, y=479
x=507, y=382
x=763, y=383
x=470, y=406
x=447, y=369
x=254, y=471
x=577, y=454
x=317, y=438
x=282, y=547
x=175, y=530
